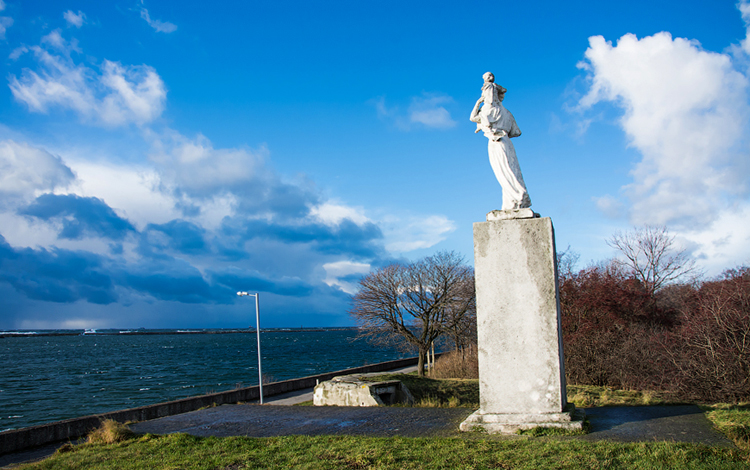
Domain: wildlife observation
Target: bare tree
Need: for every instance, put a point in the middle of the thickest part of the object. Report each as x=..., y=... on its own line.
x=651, y=255
x=566, y=263
x=461, y=322
x=417, y=302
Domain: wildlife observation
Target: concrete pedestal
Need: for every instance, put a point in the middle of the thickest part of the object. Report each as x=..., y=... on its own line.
x=521, y=366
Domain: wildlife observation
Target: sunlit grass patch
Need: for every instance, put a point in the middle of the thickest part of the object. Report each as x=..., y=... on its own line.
x=590, y=395
x=732, y=420
x=110, y=432
x=180, y=451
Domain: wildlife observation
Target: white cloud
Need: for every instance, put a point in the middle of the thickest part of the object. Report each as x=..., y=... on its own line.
x=333, y=213
x=685, y=111
x=339, y=269
x=428, y=111
x=744, y=8
x=415, y=232
x=75, y=19
x=609, y=206
x=133, y=191
x=114, y=96
x=26, y=170
x=196, y=167
x=423, y=111
x=159, y=26
x=18, y=52
x=55, y=40
x=5, y=23
x=723, y=244
x=137, y=94
x=26, y=232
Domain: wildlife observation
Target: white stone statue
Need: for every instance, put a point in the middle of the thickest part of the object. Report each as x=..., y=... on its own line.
x=499, y=126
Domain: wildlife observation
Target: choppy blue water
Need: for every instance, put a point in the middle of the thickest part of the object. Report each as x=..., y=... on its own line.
x=54, y=375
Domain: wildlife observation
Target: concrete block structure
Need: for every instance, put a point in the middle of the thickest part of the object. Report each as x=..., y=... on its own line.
x=355, y=390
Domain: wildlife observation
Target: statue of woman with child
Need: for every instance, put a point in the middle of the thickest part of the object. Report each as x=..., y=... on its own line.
x=499, y=126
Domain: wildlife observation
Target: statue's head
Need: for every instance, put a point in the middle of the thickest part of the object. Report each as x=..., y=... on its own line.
x=491, y=91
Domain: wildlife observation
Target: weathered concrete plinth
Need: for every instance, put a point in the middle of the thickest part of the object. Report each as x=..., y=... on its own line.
x=512, y=214
x=521, y=366
x=351, y=390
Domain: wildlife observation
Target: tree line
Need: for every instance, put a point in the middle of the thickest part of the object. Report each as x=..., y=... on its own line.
x=646, y=320
x=649, y=321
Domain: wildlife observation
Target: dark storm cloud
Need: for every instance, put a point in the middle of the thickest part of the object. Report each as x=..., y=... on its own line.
x=291, y=201
x=182, y=236
x=345, y=238
x=57, y=275
x=67, y=276
x=253, y=281
x=180, y=283
x=80, y=216
x=188, y=238
x=64, y=276
x=273, y=217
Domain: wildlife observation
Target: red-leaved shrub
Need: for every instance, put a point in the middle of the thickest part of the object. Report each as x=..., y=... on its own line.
x=710, y=348
x=691, y=341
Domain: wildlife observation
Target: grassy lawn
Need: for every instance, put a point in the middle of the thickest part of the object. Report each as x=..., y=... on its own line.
x=589, y=395
x=117, y=449
x=732, y=420
x=181, y=451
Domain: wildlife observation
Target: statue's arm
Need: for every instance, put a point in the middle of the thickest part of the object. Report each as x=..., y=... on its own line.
x=475, y=112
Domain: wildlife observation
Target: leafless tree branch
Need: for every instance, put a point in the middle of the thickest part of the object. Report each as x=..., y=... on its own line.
x=418, y=302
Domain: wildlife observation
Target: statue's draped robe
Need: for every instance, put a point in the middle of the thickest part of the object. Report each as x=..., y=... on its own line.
x=499, y=125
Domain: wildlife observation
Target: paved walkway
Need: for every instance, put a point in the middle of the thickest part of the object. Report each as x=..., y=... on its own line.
x=624, y=424
x=685, y=423
x=275, y=420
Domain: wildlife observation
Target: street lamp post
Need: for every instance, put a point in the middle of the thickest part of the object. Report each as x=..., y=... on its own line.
x=257, y=334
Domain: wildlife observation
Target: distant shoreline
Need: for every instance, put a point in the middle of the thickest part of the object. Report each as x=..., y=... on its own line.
x=115, y=332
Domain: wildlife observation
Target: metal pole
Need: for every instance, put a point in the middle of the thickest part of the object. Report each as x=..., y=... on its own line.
x=257, y=334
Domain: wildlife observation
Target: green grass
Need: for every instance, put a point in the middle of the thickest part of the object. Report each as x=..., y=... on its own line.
x=181, y=451
x=589, y=395
x=536, y=449
x=445, y=393
x=732, y=420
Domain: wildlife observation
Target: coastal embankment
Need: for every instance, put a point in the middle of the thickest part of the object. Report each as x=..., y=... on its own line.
x=71, y=429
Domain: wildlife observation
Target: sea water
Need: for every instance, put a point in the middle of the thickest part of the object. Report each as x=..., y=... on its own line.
x=49, y=376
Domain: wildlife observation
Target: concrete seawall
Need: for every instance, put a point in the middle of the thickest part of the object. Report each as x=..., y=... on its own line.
x=35, y=436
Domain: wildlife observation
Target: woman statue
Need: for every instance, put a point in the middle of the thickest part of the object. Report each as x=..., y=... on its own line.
x=499, y=126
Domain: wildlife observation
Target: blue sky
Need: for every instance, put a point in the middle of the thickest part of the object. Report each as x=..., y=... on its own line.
x=157, y=157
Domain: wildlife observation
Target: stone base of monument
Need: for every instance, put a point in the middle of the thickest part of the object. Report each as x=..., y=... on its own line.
x=512, y=214
x=521, y=363
x=509, y=423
